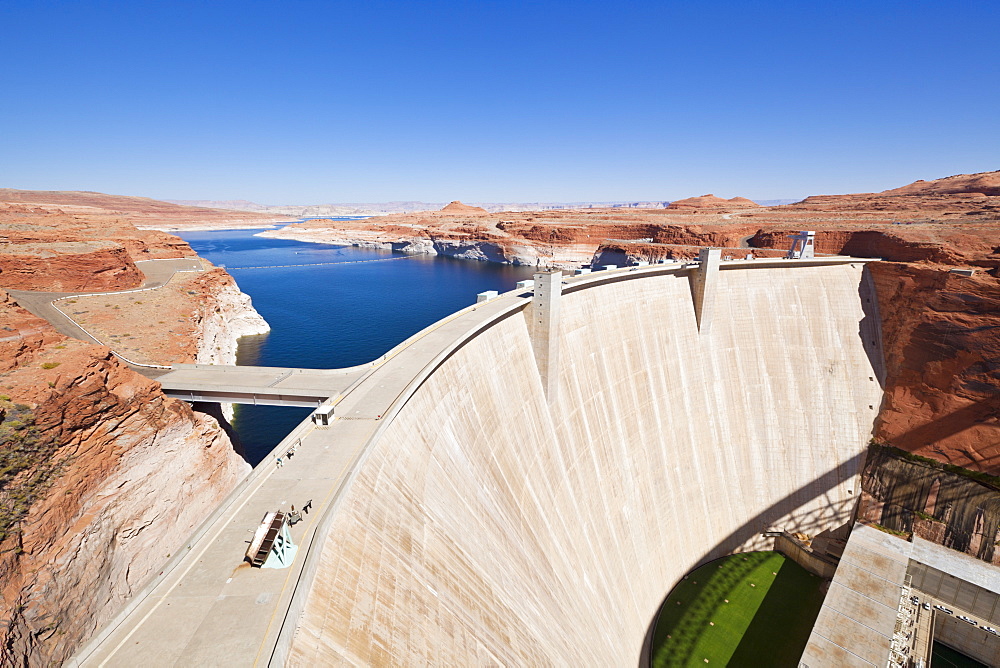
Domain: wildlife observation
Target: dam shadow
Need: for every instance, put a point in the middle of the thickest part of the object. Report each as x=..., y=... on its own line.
x=870, y=326
x=983, y=414
x=751, y=528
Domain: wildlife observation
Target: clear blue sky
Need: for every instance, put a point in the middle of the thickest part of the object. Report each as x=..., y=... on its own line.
x=312, y=102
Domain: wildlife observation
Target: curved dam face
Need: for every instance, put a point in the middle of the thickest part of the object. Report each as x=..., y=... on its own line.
x=488, y=524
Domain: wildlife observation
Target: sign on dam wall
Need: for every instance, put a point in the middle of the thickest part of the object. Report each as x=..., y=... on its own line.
x=483, y=496
x=488, y=520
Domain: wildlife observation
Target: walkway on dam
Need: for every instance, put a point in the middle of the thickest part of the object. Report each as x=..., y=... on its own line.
x=208, y=606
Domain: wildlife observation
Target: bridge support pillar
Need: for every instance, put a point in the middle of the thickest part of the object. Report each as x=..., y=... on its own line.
x=704, y=281
x=544, y=329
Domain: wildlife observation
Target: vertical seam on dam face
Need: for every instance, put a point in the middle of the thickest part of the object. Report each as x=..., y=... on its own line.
x=498, y=520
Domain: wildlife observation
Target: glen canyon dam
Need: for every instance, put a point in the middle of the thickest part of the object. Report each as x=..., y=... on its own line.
x=478, y=334
x=529, y=478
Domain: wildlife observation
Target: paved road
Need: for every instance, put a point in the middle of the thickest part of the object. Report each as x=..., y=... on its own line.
x=157, y=272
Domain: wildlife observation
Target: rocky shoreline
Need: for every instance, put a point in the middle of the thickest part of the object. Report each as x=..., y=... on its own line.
x=479, y=251
x=940, y=328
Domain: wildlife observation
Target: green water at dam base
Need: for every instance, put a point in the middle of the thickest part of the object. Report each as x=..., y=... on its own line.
x=750, y=609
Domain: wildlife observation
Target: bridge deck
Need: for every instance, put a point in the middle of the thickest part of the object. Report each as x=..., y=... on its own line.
x=273, y=386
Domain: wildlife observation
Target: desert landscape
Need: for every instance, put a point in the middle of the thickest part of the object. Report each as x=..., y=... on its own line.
x=95, y=454
x=95, y=457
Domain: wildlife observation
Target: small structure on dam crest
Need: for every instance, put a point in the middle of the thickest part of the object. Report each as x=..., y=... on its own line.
x=803, y=246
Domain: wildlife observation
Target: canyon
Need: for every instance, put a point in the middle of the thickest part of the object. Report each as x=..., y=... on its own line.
x=96, y=457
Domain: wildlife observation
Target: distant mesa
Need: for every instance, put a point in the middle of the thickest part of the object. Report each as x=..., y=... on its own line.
x=712, y=202
x=984, y=183
x=458, y=207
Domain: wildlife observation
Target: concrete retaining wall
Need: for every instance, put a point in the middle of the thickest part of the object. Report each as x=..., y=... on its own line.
x=967, y=639
x=489, y=526
x=804, y=558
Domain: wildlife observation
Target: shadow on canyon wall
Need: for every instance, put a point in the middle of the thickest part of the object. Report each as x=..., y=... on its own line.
x=898, y=492
x=215, y=410
x=983, y=413
x=870, y=326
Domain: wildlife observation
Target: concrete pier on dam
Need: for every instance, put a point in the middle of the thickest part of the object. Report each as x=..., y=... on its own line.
x=527, y=480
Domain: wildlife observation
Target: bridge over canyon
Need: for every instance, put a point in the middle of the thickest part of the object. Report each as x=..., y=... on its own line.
x=523, y=482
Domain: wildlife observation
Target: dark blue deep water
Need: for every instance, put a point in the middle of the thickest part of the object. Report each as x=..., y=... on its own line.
x=335, y=315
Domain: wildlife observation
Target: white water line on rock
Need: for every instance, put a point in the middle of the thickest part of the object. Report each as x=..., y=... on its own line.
x=321, y=264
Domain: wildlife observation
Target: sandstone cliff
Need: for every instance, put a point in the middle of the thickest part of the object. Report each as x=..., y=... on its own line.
x=105, y=477
x=938, y=503
x=102, y=476
x=47, y=248
x=942, y=339
x=986, y=183
x=225, y=316
x=68, y=266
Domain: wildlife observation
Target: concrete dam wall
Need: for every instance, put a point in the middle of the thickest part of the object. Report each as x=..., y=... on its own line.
x=491, y=523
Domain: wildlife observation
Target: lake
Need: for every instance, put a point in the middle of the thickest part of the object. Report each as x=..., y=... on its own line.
x=347, y=312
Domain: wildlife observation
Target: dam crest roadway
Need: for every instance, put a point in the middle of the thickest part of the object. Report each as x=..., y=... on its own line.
x=642, y=347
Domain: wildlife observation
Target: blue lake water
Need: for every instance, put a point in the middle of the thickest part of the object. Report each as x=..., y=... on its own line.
x=335, y=315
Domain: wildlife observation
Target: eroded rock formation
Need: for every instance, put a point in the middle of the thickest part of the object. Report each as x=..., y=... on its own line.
x=102, y=476
x=710, y=201
x=985, y=183
x=458, y=207
x=115, y=477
